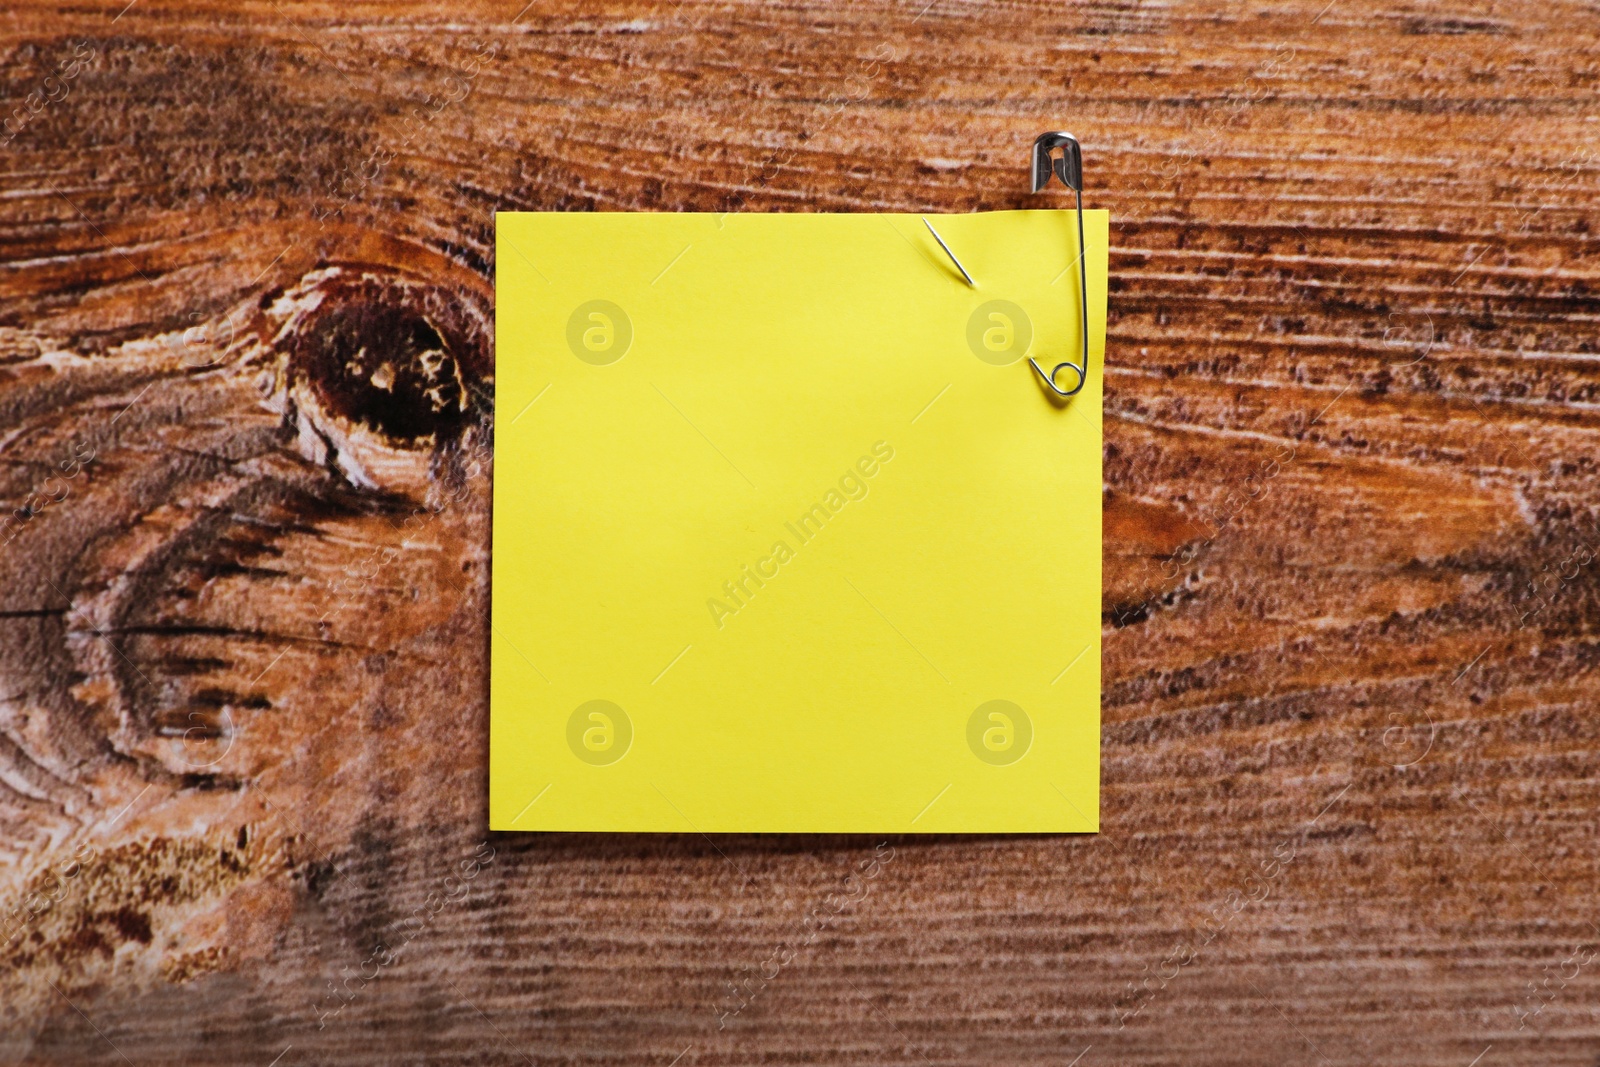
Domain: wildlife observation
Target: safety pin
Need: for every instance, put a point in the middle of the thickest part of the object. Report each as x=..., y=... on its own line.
x=1068, y=166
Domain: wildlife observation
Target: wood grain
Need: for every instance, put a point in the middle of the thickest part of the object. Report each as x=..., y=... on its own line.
x=1352, y=618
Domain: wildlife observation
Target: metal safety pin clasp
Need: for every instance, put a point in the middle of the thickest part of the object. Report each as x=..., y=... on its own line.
x=1068, y=166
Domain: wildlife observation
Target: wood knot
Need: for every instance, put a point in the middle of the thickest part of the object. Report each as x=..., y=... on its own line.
x=400, y=359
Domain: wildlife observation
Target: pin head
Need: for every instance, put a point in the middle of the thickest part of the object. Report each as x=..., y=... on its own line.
x=1068, y=166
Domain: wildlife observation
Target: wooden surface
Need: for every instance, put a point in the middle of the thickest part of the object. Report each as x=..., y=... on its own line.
x=1351, y=751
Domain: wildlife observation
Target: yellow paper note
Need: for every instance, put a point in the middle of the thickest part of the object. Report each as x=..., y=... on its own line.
x=788, y=536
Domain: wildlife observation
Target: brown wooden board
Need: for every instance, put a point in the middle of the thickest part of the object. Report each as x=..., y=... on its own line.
x=1351, y=750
